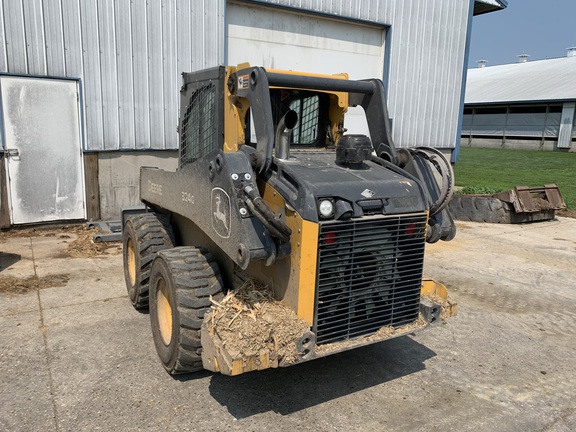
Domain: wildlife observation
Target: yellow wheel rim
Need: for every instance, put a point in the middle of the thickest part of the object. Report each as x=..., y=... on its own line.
x=131, y=262
x=164, y=311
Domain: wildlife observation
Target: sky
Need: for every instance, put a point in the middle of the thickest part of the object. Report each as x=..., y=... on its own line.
x=540, y=28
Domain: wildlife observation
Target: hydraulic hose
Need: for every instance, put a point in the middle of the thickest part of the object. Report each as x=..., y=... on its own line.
x=444, y=168
x=440, y=163
x=267, y=224
x=261, y=210
x=395, y=168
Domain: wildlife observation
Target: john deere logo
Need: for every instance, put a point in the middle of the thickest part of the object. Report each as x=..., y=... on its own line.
x=221, y=212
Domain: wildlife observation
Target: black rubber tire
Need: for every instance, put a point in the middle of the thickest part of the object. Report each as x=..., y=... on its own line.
x=143, y=237
x=183, y=278
x=481, y=209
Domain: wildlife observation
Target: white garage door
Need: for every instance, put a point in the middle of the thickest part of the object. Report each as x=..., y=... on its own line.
x=280, y=39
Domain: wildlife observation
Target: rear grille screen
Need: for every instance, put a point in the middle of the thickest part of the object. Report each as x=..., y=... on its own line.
x=369, y=275
x=198, y=135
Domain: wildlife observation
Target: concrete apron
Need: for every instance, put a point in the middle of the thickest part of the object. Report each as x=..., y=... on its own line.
x=78, y=357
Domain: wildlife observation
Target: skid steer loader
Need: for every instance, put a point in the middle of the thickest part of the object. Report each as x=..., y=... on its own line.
x=270, y=188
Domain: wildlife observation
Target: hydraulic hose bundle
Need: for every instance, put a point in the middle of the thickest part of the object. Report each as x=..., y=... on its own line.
x=433, y=172
x=260, y=209
x=443, y=168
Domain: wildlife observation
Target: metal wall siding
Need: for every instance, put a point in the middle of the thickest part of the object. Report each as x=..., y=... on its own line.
x=566, y=125
x=54, y=34
x=219, y=56
x=376, y=7
x=184, y=36
x=169, y=63
x=199, y=35
x=211, y=41
x=125, y=73
x=129, y=55
x=92, y=76
x=34, y=32
x=140, y=77
x=155, y=71
x=338, y=6
x=421, y=74
x=72, y=38
x=109, y=74
x=3, y=60
x=15, y=38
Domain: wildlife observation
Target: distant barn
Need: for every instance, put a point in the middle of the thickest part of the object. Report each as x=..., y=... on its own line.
x=528, y=105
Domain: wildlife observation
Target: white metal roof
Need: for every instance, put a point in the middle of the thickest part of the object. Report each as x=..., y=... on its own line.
x=498, y=3
x=485, y=6
x=542, y=80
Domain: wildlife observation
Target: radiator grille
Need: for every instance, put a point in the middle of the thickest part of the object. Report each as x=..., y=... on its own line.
x=369, y=275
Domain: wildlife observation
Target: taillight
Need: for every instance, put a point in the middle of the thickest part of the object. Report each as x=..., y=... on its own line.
x=411, y=229
x=330, y=238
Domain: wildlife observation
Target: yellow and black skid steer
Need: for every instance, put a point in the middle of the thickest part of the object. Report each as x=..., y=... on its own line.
x=271, y=188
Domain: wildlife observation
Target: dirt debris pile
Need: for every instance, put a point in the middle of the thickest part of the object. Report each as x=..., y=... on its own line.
x=13, y=286
x=78, y=237
x=84, y=245
x=381, y=334
x=60, y=231
x=249, y=320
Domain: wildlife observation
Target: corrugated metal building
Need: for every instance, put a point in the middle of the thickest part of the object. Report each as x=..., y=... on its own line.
x=523, y=105
x=125, y=58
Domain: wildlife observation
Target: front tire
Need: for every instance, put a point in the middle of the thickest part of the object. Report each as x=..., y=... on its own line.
x=181, y=283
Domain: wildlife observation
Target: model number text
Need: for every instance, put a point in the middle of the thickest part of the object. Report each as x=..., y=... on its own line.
x=188, y=197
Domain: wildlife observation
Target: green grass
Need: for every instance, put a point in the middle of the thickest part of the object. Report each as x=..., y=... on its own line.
x=482, y=170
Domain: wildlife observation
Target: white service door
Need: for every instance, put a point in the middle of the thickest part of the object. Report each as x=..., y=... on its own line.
x=279, y=39
x=41, y=124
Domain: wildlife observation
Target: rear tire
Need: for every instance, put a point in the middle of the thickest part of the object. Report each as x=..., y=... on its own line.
x=181, y=283
x=143, y=237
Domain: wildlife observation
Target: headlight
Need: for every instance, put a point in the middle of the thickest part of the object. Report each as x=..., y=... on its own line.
x=326, y=208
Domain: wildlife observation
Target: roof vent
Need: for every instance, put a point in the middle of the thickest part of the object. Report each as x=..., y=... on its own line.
x=481, y=63
x=523, y=58
x=571, y=52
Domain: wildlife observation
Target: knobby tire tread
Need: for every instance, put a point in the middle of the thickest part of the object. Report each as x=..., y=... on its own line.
x=192, y=268
x=153, y=234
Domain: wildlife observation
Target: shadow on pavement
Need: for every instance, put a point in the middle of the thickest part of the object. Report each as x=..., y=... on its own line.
x=7, y=259
x=288, y=390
